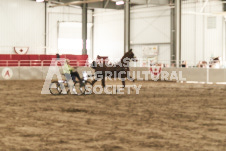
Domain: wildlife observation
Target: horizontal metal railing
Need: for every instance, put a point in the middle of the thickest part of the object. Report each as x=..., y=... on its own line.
x=18, y=63
x=76, y=63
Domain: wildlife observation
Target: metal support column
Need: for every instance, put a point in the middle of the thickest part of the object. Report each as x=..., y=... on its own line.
x=45, y=49
x=84, y=28
x=178, y=31
x=173, y=38
x=224, y=41
x=126, y=25
x=92, y=34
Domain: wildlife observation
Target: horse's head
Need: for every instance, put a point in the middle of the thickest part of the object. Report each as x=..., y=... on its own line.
x=128, y=57
x=131, y=55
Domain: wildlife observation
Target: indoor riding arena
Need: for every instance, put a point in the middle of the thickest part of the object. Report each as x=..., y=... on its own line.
x=113, y=75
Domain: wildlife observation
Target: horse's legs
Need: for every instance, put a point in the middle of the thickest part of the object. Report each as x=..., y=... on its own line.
x=94, y=81
x=131, y=79
x=123, y=83
x=103, y=82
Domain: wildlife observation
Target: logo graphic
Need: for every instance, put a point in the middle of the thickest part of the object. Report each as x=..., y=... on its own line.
x=63, y=84
x=7, y=73
x=155, y=70
x=21, y=50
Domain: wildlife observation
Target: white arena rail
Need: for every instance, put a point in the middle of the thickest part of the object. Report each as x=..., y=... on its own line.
x=191, y=74
x=37, y=70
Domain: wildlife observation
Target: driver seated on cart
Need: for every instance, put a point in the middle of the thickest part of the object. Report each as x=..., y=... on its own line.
x=70, y=73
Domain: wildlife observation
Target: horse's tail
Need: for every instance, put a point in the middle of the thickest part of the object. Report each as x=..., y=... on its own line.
x=93, y=65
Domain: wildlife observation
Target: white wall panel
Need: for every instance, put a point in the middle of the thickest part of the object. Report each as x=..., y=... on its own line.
x=199, y=35
x=198, y=42
x=150, y=25
x=57, y=15
x=109, y=33
x=21, y=24
x=188, y=44
x=213, y=41
x=147, y=26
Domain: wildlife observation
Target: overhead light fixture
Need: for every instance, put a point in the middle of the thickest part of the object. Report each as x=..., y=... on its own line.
x=119, y=2
x=38, y=1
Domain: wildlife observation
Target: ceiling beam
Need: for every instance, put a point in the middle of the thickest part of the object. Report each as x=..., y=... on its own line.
x=110, y=5
x=106, y=3
x=77, y=3
x=55, y=2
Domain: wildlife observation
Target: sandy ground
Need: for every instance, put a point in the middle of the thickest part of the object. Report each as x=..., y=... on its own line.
x=164, y=116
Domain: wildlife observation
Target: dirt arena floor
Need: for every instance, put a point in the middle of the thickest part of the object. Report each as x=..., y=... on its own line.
x=164, y=116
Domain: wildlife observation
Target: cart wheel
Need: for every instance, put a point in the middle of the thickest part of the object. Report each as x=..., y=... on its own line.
x=88, y=88
x=78, y=89
x=55, y=88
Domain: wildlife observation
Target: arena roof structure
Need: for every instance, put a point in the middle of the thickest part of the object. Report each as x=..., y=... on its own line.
x=110, y=4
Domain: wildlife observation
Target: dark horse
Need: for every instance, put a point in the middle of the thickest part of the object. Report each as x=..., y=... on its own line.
x=119, y=70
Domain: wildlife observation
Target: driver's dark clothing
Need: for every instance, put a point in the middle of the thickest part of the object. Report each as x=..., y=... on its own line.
x=74, y=75
x=69, y=71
